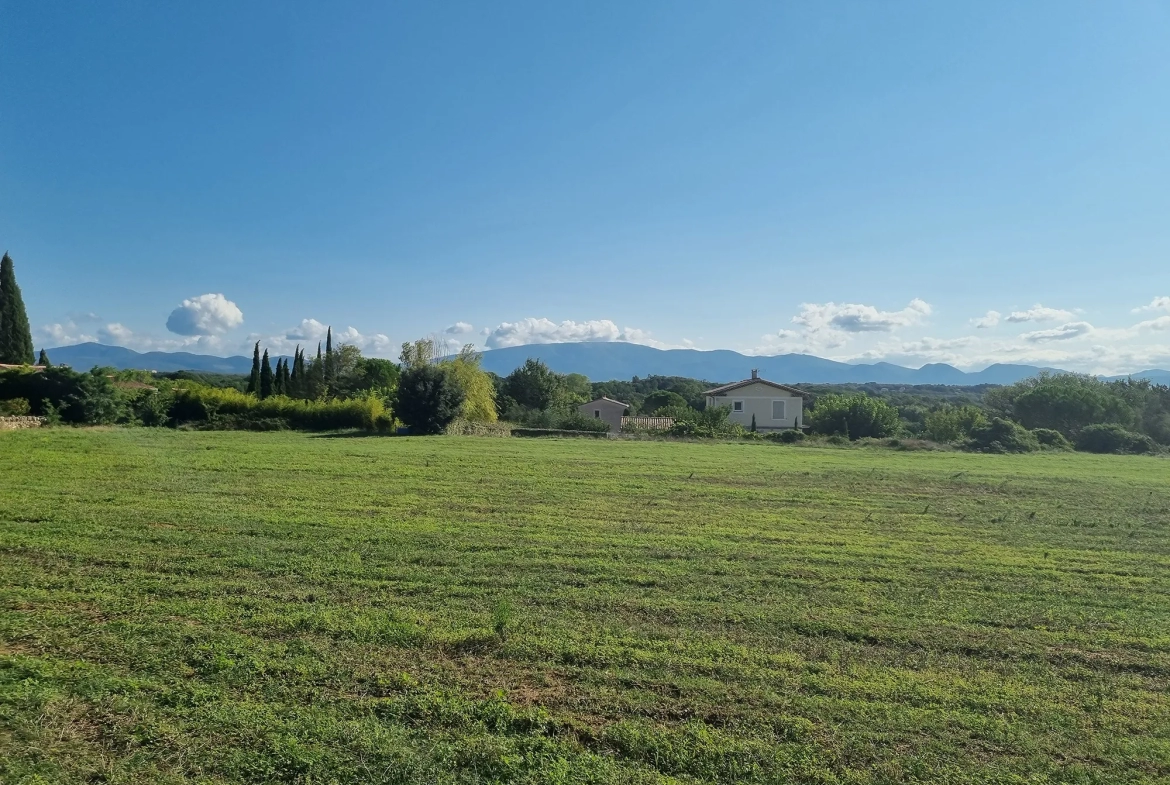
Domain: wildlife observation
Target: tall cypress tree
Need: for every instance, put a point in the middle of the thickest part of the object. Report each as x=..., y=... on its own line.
x=286, y=378
x=16, y=346
x=43, y=360
x=254, y=380
x=329, y=354
x=265, y=376
x=295, y=377
x=278, y=378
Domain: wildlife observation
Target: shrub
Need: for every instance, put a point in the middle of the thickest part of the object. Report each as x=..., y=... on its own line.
x=788, y=436
x=1053, y=440
x=1002, y=436
x=712, y=421
x=461, y=427
x=953, y=423
x=15, y=407
x=854, y=416
x=658, y=400
x=197, y=404
x=78, y=398
x=428, y=399
x=1110, y=438
x=575, y=421
x=151, y=408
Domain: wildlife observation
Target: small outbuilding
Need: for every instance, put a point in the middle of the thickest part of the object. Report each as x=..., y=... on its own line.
x=607, y=410
x=774, y=406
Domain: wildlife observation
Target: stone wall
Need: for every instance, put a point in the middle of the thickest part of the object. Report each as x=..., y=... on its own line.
x=16, y=423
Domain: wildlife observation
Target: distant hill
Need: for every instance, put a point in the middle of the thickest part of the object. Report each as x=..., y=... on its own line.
x=84, y=356
x=605, y=361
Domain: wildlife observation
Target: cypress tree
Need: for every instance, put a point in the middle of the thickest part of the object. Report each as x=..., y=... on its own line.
x=302, y=379
x=265, y=376
x=254, y=380
x=294, y=378
x=43, y=360
x=16, y=346
x=286, y=378
x=329, y=354
x=278, y=378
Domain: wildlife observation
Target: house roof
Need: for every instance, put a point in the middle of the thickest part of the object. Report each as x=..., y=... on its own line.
x=736, y=385
x=607, y=399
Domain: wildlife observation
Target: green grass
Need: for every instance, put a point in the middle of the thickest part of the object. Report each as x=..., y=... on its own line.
x=235, y=607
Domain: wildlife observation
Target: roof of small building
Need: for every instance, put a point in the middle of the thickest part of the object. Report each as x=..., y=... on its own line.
x=754, y=380
x=607, y=399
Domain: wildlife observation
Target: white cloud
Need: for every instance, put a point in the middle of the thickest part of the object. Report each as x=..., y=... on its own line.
x=987, y=320
x=534, y=331
x=311, y=331
x=1159, y=323
x=459, y=328
x=115, y=333
x=1064, y=332
x=207, y=314
x=1157, y=304
x=857, y=318
x=307, y=330
x=1039, y=313
x=64, y=334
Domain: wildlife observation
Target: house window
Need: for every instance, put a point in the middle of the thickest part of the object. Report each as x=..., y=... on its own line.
x=597, y=414
x=737, y=406
x=777, y=410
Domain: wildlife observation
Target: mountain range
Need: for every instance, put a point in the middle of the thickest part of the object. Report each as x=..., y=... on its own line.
x=605, y=361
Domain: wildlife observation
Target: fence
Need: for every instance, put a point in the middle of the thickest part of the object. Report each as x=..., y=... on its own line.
x=647, y=423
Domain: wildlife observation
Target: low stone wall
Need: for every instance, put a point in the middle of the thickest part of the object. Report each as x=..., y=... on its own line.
x=16, y=423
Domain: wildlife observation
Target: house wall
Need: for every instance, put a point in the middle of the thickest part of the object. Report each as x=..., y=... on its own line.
x=610, y=413
x=757, y=399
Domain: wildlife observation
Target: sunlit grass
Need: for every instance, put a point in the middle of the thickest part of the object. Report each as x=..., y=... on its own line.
x=235, y=607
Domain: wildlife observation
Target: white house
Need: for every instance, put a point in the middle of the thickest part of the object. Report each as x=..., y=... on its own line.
x=607, y=410
x=775, y=406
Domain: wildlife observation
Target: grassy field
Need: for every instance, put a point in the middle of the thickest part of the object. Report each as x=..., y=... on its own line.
x=233, y=607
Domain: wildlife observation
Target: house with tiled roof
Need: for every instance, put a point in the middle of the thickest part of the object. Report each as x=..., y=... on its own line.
x=774, y=406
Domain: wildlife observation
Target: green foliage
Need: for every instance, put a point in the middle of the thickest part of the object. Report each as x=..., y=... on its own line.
x=575, y=421
x=77, y=398
x=254, y=379
x=476, y=387
x=43, y=360
x=502, y=617
x=532, y=385
x=15, y=407
x=953, y=423
x=228, y=408
x=266, y=387
x=1053, y=440
x=428, y=399
x=655, y=402
x=206, y=378
x=1063, y=402
x=1112, y=438
x=16, y=346
x=711, y=422
x=787, y=436
x=1002, y=436
x=378, y=374
x=151, y=408
x=854, y=417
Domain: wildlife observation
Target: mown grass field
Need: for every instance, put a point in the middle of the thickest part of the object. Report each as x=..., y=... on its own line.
x=234, y=607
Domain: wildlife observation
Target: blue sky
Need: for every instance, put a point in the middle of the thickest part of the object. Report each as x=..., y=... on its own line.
x=918, y=182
